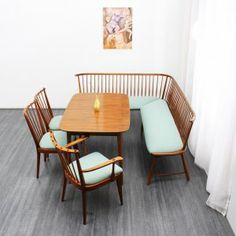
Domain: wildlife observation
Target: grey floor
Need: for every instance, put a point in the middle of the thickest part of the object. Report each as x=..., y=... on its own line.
x=169, y=206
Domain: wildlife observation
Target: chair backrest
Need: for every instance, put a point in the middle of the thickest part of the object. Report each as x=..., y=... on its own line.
x=34, y=122
x=43, y=104
x=70, y=162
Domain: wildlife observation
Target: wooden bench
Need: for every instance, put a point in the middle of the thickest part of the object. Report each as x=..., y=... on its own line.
x=167, y=117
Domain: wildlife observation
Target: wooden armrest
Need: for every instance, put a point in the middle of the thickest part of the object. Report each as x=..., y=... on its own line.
x=106, y=163
x=79, y=140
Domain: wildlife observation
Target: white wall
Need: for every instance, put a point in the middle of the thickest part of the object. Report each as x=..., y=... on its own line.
x=44, y=43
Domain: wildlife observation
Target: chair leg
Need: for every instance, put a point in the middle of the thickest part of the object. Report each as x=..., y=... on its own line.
x=84, y=203
x=64, y=189
x=38, y=164
x=185, y=167
x=151, y=170
x=119, y=186
x=45, y=157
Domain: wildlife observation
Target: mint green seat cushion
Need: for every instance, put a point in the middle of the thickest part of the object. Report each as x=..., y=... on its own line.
x=92, y=160
x=160, y=131
x=60, y=136
x=136, y=102
x=55, y=122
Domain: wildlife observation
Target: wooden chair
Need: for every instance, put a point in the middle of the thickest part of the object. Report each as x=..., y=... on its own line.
x=40, y=135
x=88, y=172
x=52, y=122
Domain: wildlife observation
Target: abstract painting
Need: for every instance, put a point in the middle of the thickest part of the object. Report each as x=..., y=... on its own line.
x=117, y=28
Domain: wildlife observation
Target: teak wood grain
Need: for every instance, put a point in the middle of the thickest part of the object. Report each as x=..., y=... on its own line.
x=113, y=116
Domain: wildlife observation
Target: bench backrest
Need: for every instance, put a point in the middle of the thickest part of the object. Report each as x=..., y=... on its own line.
x=180, y=110
x=156, y=85
x=125, y=83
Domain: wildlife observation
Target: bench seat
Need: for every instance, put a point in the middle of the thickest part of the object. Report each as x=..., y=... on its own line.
x=160, y=132
x=136, y=102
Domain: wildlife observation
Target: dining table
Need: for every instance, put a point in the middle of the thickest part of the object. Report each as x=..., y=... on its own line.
x=111, y=119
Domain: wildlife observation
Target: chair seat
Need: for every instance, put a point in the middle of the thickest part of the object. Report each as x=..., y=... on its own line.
x=55, y=122
x=95, y=176
x=160, y=131
x=60, y=136
x=136, y=102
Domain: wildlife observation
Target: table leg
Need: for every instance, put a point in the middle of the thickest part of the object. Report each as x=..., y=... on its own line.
x=68, y=137
x=68, y=141
x=119, y=143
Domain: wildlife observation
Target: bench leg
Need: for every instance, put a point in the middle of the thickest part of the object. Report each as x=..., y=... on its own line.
x=185, y=167
x=151, y=170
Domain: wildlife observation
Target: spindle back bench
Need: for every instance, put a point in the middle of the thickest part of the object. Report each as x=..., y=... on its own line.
x=167, y=117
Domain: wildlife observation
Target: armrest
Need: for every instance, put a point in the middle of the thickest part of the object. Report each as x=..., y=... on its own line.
x=106, y=163
x=79, y=140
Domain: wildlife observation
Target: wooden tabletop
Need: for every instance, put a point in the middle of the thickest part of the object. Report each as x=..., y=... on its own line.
x=113, y=116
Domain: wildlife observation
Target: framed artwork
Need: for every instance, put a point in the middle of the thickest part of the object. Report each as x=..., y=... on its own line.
x=117, y=28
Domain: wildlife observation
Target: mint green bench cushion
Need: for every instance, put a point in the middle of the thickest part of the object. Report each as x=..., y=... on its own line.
x=136, y=102
x=60, y=136
x=160, y=131
x=55, y=122
x=92, y=160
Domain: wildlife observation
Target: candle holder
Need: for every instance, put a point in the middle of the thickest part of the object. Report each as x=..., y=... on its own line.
x=96, y=104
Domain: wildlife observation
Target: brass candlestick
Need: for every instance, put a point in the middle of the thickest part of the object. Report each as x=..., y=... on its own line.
x=96, y=105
